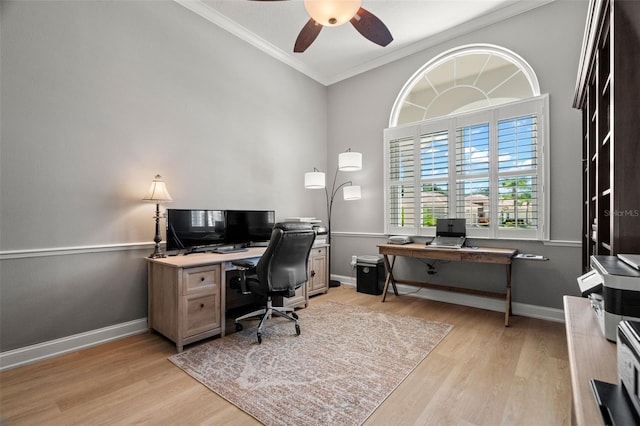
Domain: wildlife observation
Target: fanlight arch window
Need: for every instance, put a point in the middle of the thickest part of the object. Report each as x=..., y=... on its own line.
x=466, y=138
x=463, y=79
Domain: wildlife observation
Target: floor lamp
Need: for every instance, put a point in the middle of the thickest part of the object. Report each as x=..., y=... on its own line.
x=157, y=194
x=347, y=162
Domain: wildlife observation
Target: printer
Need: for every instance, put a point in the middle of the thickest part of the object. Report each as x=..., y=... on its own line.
x=613, y=286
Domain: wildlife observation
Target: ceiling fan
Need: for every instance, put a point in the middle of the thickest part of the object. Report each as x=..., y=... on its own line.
x=332, y=13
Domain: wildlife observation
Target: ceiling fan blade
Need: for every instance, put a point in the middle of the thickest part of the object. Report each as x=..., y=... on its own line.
x=371, y=27
x=307, y=35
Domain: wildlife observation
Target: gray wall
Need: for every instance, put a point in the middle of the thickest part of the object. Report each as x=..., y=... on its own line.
x=549, y=38
x=98, y=97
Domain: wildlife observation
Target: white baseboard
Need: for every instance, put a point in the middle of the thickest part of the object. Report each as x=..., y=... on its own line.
x=489, y=303
x=41, y=351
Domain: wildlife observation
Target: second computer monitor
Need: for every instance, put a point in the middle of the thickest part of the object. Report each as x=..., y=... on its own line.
x=249, y=226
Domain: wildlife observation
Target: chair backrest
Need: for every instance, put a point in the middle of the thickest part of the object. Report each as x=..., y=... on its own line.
x=284, y=264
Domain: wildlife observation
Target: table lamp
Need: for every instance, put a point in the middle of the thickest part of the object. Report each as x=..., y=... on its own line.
x=157, y=194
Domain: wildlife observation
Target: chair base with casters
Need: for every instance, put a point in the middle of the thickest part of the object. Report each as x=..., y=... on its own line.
x=266, y=313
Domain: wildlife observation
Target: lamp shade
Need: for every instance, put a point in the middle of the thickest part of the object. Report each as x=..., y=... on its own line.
x=351, y=192
x=350, y=161
x=332, y=12
x=158, y=192
x=314, y=180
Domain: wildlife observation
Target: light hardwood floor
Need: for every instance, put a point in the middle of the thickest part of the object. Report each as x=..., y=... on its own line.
x=482, y=373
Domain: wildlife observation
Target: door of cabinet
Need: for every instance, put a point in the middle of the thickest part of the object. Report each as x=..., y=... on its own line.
x=318, y=282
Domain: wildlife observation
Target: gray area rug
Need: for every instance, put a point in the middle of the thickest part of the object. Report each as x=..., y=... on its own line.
x=345, y=363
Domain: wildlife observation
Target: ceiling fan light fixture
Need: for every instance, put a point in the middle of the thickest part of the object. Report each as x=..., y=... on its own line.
x=332, y=13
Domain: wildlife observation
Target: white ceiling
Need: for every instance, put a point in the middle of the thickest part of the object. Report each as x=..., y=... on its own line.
x=341, y=52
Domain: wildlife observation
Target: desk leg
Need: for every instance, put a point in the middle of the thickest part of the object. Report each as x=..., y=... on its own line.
x=507, y=308
x=390, y=278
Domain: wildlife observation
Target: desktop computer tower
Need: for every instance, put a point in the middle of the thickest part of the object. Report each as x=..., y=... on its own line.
x=370, y=274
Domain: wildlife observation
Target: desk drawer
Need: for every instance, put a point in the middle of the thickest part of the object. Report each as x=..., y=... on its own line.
x=201, y=314
x=486, y=258
x=204, y=279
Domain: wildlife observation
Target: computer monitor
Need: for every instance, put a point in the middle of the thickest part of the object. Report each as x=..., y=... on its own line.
x=249, y=227
x=451, y=227
x=189, y=229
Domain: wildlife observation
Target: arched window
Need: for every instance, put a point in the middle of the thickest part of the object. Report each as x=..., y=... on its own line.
x=466, y=139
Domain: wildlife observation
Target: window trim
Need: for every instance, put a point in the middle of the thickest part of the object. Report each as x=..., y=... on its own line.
x=538, y=105
x=489, y=49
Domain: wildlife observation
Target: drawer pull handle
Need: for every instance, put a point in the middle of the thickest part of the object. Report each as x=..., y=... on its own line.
x=202, y=279
x=201, y=305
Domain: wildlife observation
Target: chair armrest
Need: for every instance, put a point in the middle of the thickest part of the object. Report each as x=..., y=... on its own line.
x=240, y=282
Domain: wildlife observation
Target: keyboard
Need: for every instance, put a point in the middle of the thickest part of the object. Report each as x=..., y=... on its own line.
x=447, y=242
x=227, y=250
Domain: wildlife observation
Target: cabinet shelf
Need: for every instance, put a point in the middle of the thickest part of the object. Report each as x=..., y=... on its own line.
x=610, y=139
x=607, y=85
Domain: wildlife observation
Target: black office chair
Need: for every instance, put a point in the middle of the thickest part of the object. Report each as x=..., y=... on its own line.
x=279, y=272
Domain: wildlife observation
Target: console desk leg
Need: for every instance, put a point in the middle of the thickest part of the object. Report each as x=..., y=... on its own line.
x=507, y=308
x=389, y=278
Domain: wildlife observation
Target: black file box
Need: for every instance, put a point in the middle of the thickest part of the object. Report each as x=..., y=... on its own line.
x=370, y=274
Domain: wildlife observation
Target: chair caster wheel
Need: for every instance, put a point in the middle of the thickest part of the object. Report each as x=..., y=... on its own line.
x=238, y=326
x=259, y=338
x=293, y=314
x=297, y=329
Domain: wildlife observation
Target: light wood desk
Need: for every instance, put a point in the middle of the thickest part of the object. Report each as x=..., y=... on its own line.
x=186, y=294
x=480, y=255
x=591, y=356
x=187, y=298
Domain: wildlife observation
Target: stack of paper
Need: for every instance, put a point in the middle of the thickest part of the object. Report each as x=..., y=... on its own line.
x=302, y=219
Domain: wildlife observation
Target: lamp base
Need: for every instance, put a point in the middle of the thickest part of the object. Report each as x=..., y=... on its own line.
x=157, y=254
x=334, y=283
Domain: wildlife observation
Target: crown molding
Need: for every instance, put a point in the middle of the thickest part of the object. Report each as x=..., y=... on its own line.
x=213, y=16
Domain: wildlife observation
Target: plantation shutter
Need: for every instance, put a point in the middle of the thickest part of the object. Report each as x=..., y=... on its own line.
x=517, y=171
x=401, y=196
x=472, y=174
x=434, y=174
x=487, y=166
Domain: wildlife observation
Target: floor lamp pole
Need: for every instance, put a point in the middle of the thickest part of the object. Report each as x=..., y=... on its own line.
x=334, y=191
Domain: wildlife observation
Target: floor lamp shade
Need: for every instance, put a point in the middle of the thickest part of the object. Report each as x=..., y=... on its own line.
x=350, y=161
x=351, y=192
x=314, y=180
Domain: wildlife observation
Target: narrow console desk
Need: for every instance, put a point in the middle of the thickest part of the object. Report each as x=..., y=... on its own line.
x=187, y=294
x=480, y=255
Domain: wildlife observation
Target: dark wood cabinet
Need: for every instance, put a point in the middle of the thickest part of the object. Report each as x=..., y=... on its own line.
x=608, y=93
